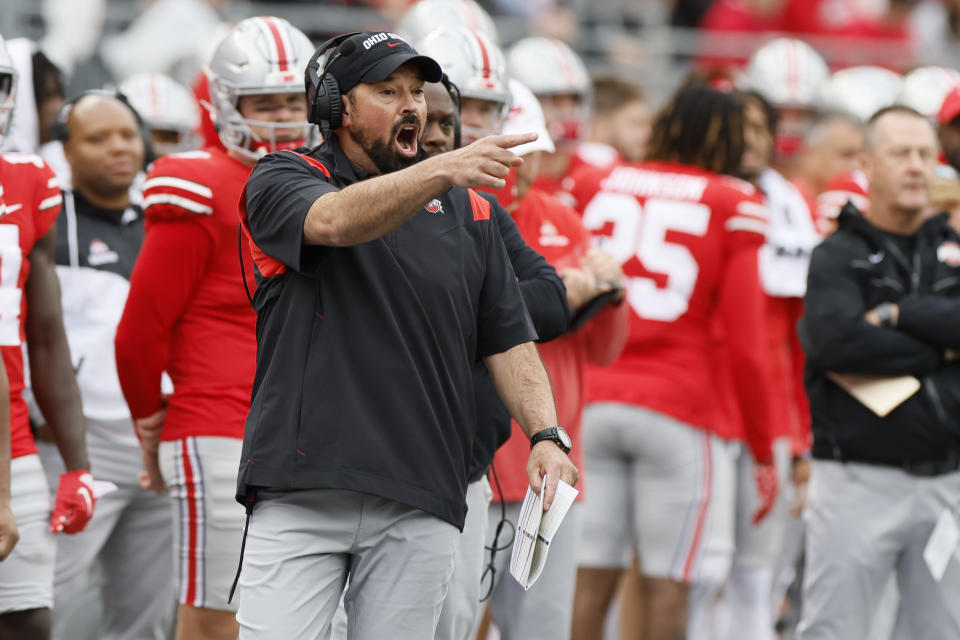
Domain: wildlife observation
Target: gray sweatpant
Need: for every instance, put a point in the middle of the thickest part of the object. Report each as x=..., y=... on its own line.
x=546, y=610
x=302, y=546
x=864, y=524
x=126, y=547
x=461, y=609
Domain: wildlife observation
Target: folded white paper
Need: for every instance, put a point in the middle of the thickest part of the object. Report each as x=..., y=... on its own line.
x=879, y=394
x=942, y=544
x=535, y=530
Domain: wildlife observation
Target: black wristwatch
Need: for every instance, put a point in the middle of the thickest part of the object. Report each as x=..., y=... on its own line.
x=557, y=434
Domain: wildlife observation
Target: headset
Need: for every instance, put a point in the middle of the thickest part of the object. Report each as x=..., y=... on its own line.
x=326, y=104
x=60, y=132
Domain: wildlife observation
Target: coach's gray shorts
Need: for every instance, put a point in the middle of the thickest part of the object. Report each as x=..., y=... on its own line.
x=302, y=545
x=655, y=483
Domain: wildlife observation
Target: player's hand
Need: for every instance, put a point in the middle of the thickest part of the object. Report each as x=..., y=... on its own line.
x=800, y=477
x=486, y=162
x=547, y=459
x=765, y=477
x=74, y=504
x=8, y=532
x=581, y=285
x=604, y=267
x=149, y=430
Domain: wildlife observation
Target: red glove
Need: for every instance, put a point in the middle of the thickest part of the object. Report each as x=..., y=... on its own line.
x=765, y=475
x=74, y=506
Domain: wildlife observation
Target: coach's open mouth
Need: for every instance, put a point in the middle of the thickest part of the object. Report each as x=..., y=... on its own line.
x=407, y=140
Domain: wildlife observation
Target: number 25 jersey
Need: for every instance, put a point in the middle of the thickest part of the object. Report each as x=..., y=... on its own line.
x=687, y=239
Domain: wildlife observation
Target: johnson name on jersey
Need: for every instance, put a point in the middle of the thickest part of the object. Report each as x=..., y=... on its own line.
x=675, y=229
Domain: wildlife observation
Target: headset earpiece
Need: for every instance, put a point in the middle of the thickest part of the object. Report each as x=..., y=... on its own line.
x=326, y=109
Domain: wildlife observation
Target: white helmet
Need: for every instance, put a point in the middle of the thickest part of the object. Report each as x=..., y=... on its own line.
x=261, y=55
x=8, y=89
x=428, y=15
x=788, y=73
x=862, y=90
x=549, y=67
x=925, y=88
x=165, y=105
x=474, y=64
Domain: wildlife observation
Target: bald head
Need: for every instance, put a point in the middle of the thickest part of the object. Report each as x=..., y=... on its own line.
x=899, y=161
x=104, y=149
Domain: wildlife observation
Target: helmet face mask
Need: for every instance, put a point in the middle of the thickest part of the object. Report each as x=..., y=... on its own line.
x=559, y=79
x=8, y=90
x=260, y=56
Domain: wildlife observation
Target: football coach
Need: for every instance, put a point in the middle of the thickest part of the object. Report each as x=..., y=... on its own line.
x=380, y=280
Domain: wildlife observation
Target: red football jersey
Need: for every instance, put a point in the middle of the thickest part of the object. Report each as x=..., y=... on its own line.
x=688, y=240
x=30, y=201
x=555, y=231
x=187, y=312
x=588, y=155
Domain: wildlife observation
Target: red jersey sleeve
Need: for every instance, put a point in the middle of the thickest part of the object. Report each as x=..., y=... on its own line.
x=39, y=180
x=169, y=268
x=49, y=199
x=742, y=312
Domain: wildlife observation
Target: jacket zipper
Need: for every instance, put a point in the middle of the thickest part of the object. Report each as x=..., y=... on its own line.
x=928, y=383
x=934, y=395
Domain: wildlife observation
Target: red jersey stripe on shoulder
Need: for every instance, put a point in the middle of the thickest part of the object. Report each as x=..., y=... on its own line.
x=316, y=163
x=481, y=208
x=267, y=265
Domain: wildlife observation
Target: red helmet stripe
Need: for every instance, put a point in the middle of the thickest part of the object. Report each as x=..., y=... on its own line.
x=154, y=98
x=485, y=57
x=278, y=41
x=793, y=80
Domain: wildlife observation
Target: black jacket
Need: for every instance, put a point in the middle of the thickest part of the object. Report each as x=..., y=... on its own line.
x=546, y=300
x=851, y=272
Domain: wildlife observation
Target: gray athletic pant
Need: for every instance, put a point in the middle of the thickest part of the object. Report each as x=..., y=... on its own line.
x=864, y=524
x=302, y=546
x=126, y=547
x=461, y=609
x=546, y=610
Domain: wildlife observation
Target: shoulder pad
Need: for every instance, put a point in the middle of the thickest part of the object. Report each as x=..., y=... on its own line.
x=176, y=187
x=740, y=185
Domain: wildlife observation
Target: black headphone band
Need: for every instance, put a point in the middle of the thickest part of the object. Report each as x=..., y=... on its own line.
x=60, y=130
x=326, y=106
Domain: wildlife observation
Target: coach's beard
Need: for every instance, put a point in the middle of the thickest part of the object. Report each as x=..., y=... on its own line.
x=383, y=153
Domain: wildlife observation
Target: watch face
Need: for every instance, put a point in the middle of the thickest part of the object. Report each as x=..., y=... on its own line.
x=564, y=437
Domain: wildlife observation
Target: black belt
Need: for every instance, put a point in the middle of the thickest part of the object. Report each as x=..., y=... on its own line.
x=925, y=469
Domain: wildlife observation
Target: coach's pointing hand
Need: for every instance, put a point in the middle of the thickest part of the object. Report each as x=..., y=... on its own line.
x=486, y=162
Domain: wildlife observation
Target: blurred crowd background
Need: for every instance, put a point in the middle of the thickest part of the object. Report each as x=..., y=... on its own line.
x=653, y=42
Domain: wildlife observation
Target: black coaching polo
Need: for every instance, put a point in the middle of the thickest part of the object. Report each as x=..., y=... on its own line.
x=364, y=353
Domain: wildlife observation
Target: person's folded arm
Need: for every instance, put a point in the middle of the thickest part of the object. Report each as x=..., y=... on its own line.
x=835, y=335
x=933, y=319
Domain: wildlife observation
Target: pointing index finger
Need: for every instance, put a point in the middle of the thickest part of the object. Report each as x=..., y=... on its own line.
x=514, y=139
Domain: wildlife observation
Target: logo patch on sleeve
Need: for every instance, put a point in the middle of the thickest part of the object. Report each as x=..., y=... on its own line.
x=949, y=253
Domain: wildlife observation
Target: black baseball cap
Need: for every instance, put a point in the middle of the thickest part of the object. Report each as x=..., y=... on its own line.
x=372, y=56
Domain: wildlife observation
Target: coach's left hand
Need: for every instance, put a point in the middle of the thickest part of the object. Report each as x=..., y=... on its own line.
x=547, y=459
